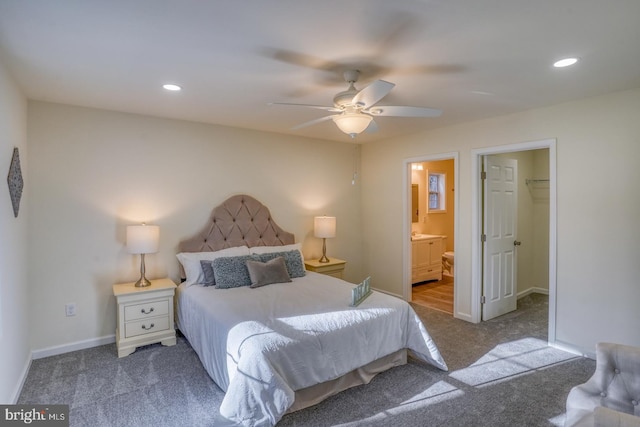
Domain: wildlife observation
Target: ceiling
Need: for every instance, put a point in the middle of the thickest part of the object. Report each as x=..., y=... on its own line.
x=471, y=59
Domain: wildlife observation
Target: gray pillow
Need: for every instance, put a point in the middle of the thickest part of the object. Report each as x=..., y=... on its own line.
x=292, y=259
x=231, y=272
x=207, y=269
x=266, y=273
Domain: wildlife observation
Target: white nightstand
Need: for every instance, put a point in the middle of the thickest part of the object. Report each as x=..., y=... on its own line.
x=145, y=315
x=334, y=267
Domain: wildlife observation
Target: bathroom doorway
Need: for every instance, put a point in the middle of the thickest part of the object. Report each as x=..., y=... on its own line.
x=432, y=205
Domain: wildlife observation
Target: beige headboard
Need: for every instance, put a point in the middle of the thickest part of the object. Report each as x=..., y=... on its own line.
x=240, y=220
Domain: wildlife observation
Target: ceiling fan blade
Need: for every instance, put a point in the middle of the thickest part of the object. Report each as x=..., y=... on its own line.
x=372, y=93
x=403, y=111
x=318, y=107
x=302, y=59
x=311, y=122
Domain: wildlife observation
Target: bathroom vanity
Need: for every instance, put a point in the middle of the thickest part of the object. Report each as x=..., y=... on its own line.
x=426, y=257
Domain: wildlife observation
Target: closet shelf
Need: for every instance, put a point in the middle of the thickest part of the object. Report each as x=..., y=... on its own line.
x=544, y=182
x=538, y=188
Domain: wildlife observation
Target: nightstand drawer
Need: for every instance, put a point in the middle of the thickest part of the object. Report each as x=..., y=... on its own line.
x=149, y=309
x=146, y=326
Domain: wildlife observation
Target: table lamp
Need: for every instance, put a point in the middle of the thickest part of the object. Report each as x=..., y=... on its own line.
x=324, y=227
x=142, y=239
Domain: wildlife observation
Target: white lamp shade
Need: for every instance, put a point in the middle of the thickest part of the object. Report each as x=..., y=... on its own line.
x=352, y=124
x=143, y=239
x=324, y=226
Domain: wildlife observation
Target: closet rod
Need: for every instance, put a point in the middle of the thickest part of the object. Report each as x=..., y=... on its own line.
x=535, y=181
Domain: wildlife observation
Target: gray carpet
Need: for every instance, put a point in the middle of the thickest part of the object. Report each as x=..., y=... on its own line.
x=501, y=373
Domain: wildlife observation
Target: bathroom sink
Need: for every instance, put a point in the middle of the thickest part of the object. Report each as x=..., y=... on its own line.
x=424, y=236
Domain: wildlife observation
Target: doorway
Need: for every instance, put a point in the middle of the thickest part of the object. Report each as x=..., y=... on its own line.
x=431, y=204
x=536, y=263
x=432, y=234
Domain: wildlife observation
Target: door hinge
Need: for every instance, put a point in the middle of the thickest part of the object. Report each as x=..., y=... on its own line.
x=483, y=299
x=483, y=175
x=483, y=238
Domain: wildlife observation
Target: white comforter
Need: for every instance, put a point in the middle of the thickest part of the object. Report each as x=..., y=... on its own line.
x=261, y=345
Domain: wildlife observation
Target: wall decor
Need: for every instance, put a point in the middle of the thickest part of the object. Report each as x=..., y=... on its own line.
x=14, y=179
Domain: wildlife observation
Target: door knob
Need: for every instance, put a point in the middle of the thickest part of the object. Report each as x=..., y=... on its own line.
x=516, y=243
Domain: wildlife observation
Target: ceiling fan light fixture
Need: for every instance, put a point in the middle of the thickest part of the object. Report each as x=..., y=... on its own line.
x=352, y=124
x=356, y=108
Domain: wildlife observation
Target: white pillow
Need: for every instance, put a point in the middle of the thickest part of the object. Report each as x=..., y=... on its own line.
x=256, y=250
x=191, y=262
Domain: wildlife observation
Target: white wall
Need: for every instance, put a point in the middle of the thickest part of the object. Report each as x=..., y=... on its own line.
x=92, y=172
x=14, y=306
x=598, y=187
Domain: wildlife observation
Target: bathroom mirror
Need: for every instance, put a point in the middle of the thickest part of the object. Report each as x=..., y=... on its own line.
x=414, y=202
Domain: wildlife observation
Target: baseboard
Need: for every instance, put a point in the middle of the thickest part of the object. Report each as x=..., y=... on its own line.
x=533, y=290
x=23, y=378
x=464, y=316
x=78, y=345
x=591, y=354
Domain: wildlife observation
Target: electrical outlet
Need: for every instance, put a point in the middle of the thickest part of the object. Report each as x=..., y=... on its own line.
x=70, y=309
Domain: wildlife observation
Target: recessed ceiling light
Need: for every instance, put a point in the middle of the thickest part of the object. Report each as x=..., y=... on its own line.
x=172, y=87
x=565, y=62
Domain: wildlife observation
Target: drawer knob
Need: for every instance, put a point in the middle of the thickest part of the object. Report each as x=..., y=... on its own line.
x=146, y=312
x=147, y=328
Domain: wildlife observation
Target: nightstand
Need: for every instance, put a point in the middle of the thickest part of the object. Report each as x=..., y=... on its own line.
x=334, y=267
x=145, y=315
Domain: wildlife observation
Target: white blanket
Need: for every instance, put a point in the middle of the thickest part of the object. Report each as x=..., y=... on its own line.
x=261, y=345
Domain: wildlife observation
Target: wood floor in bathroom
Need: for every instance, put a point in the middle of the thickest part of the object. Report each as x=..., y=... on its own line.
x=437, y=295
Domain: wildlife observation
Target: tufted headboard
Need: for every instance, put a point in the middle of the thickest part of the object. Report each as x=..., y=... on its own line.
x=240, y=220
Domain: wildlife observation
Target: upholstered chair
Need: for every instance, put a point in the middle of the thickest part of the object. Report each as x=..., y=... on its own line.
x=611, y=397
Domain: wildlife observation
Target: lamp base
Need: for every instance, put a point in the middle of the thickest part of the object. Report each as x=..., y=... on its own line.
x=324, y=251
x=142, y=282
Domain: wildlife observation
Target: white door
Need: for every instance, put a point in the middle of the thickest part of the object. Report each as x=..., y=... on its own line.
x=499, y=286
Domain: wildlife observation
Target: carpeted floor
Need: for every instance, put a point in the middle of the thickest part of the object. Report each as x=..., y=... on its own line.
x=501, y=373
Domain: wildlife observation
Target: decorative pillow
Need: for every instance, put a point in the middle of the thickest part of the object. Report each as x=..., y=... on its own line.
x=231, y=272
x=292, y=259
x=207, y=269
x=266, y=273
x=270, y=249
x=191, y=262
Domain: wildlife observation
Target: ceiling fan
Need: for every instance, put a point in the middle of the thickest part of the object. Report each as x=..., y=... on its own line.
x=354, y=109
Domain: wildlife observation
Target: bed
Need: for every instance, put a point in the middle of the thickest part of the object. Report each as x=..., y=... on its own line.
x=292, y=342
